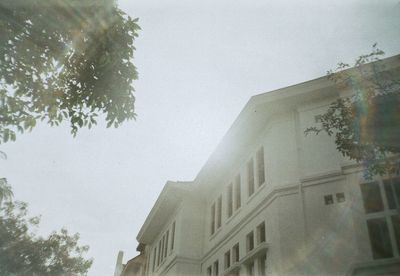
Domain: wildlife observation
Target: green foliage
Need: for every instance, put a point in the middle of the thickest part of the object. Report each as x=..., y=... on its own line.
x=65, y=60
x=5, y=190
x=24, y=253
x=366, y=125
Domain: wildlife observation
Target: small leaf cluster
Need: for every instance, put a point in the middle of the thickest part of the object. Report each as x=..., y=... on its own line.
x=65, y=60
x=366, y=124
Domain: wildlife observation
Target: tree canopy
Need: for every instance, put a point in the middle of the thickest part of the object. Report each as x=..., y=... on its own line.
x=22, y=252
x=366, y=124
x=65, y=60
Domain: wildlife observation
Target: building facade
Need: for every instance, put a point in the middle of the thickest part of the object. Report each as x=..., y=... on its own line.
x=272, y=201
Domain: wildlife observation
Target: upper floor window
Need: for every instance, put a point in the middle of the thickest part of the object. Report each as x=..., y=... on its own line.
x=173, y=236
x=212, y=218
x=227, y=259
x=260, y=166
x=216, y=268
x=229, y=201
x=235, y=253
x=250, y=241
x=209, y=271
x=250, y=177
x=159, y=253
x=219, y=211
x=238, y=196
x=261, y=233
x=154, y=257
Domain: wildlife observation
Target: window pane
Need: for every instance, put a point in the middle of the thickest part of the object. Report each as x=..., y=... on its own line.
x=250, y=241
x=216, y=266
x=250, y=175
x=396, y=185
x=227, y=259
x=261, y=233
x=260, y=166
x=372, y=197
x=219, y=210
x=212, y=219
x=328, y=199
x=389, y=194
x=173, y=236
x=230, y=200
x=340, y=197
x=235, y=253
x=237, y=190
x=396, y=229
x=379, y=238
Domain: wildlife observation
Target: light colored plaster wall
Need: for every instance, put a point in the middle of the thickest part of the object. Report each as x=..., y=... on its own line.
x=188, y=269
x=191, y=227
x=290, y=220
x=280, y=151
x=330, y=236
x=318, y=152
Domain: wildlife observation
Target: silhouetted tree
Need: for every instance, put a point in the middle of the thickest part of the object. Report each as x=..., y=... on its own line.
x=24, y=253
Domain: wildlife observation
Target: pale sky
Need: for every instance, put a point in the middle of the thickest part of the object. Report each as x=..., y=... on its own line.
x=199, y=62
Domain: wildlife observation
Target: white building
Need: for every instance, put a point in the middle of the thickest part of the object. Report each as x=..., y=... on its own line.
x=272, y=201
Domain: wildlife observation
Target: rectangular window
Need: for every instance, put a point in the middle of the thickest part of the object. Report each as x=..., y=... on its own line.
x=227, y=259
x=166, y=244
x=250, y=177
x=250, y=269
x=154, y=258
x=392, y=190
x=260, y=166
x=219, y=212
x=212, y=218
x=379, y=237
x=230, y=200
x=340, y=197
x=328, y=199
x=162, y=248
x=250, y=241
x=238, y=197
x=261, y=263
x=159, y=253
x=216, y=266
x=261, y=233
x=209, y=271
x=396, y=229
x=235, y=253
x=372, y=197
x=173, y=236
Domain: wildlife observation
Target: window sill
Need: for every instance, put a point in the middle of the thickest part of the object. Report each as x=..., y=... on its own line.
x=255, y=252
x=215, y=233
x=256, y=192
x=233, y=215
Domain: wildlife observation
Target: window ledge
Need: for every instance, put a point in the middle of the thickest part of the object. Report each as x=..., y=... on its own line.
x=234, y=267
x=233, y=215
x=215, y=233
x=256, y=192
x=258, y=250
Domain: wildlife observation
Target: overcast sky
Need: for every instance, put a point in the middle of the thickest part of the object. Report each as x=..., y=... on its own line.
x=199, y=62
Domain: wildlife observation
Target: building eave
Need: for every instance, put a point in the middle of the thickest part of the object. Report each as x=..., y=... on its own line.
x=167, y=202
